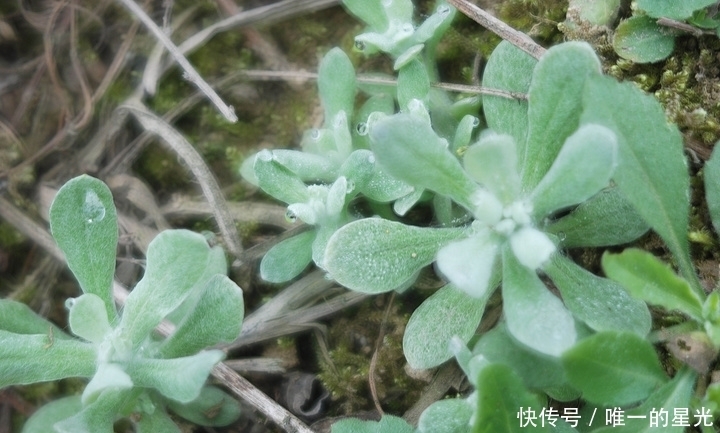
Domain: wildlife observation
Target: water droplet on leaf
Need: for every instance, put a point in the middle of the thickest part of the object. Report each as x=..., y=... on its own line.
x=290, y=216
x=360, y=45
x=265, y=155
x=362, y=128
x=443, y=9
x=93, y=209
x=315, y=134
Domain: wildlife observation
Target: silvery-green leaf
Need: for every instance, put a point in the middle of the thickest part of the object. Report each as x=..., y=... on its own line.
x=28, y=359
x=534, y=316
x=492, y=162
x=97, y=417
x=536, y=370
x=277, y=180
x=448, y=312
x=602, y=304
x=407, y=56
x=464, y=131
x=336, y=84
x=336, y=196
x=43, y=419
x=370, y=11
x=642, y=40
x=398, y=10
x=556, y=99
x=583, y=167
x=407, y=148
x=384, y=188
x=83, y=222
x=176, y=259
x=319, y=245
x=412, y=83
x=596, y=12
x=384, y=103
x=446, y=416
x=156, y=422
x=509, y=69
x=358, y=169
x=18, y=318
x=88, y=318
x=180, y=379
x=652, y=171
x=341, y=136
x=309, y=167
x=216, y=318
x=404, y=204
x=373, y=255
x=672, y=9
x=435, y=24
x=108, y=376
x=605, y=219
x=712, y=187
x=287, y=259
x=531, y=247
x=213, y=407
x=470, y=263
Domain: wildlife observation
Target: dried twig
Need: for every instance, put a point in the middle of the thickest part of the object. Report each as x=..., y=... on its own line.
x=685, y=27
x=519, y=39
x=192, y=75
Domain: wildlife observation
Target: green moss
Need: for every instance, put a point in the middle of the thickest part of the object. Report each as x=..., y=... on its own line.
x=538, y=18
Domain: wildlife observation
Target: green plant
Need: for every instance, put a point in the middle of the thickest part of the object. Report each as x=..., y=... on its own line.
x=133, y=372
x=642, y=39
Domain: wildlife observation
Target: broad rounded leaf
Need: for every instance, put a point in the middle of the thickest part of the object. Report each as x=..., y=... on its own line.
x=649, y=279
x=677, y=10
x=446, y=416
x=408, y=149
x=583, y=167
x=217, y=318
x=43, y=419
x=18, y=318
x=447, y=313
x=534, y=316
x=492, y=162
x=287, y=259
x=555, y=106
x=374, y=255
x=602, y=304
x=642, y=40
x=88, y=318
x=213, y=407
x=370, y=11
x=83, y=221
x=614, y=368
x=97, y=417
x=412, y=83
x=277, y=180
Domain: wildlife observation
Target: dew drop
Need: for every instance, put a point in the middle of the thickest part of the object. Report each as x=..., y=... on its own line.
x=69, y=303
x=315, y=134
x=93, y=210
x=362, y=128
x=562, y=236
x=360, y=45
x=290, y=216
x=476, y=122
x=265, y=155
x=371, y=158
x=350, y=187
x=407, y=28
x=443, y=9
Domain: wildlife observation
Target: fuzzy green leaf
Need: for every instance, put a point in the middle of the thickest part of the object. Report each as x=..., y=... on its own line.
x=537, y=371
x=534, y=316
x=176, y=259
x=370, y=11
x=28, y=359
x=712, y=186
x=87, y=318
x=649, y=279
x=18, y=318
x=83, y=221
x=384, y=188
x=45, y=417
x=387, y=424
x=677, y=10
x=107, y=377
x=642, y=40
x=217, y=318
x=373, y=255
x=596, y=12
x=509, y=69
x=336, y=84
x=213, y=407
x=674, y=394
x=555, y=106
x=652, y=171
x=412, y=83
x=448, y=312
x=501, y=395
x=407, y=148
x=614, y=368
x=601, y=303
x=492, y=162
x=287, y=259
x=278, y=181
x=179, y=379
x=446, y=416
x=98, y=417
x=605, y=219
x=470, y=263
x=582, y=168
